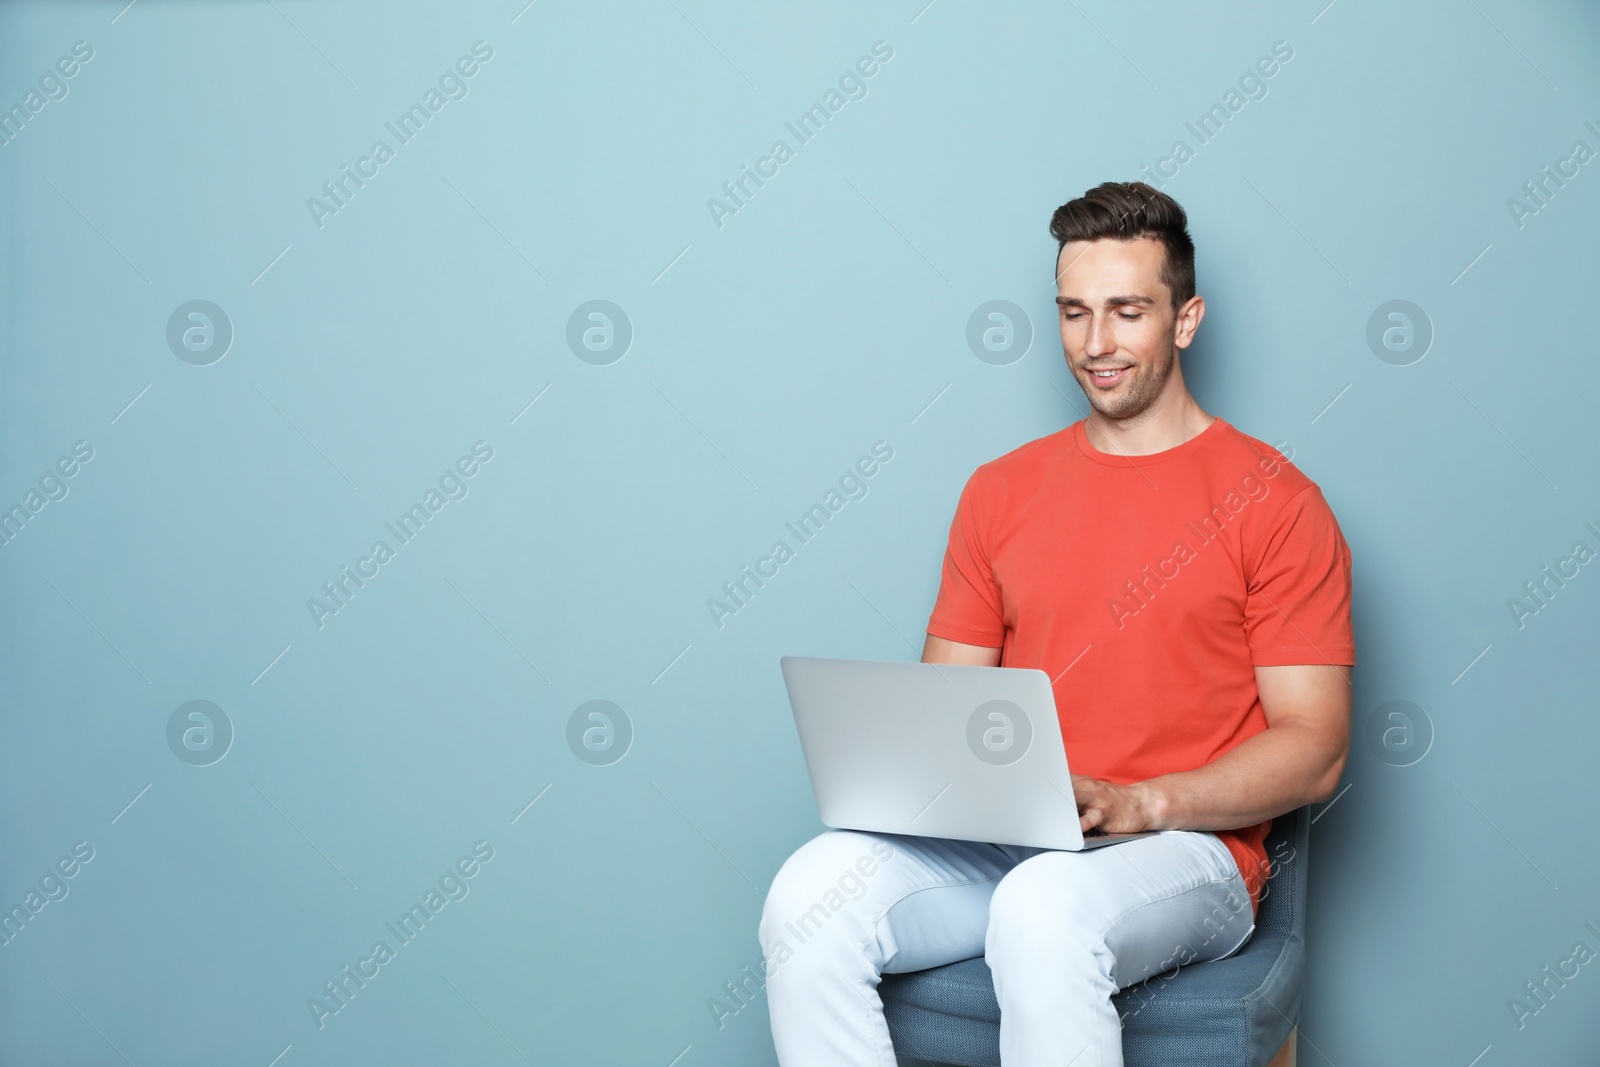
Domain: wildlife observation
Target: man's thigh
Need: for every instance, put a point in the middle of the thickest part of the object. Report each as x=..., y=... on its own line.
x=1155, y=903
x=909, y=902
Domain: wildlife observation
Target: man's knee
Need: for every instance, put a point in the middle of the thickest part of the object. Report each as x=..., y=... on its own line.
x=1039, y=903
x=1046, y=938
x=821, y=880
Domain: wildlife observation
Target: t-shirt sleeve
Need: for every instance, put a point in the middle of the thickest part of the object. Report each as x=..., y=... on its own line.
x=968, y=607
x=1297, y=599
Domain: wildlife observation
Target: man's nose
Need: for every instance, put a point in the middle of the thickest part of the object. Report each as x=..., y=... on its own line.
x=1099, y=341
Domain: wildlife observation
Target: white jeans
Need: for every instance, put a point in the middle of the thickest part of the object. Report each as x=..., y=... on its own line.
x=1061, y=931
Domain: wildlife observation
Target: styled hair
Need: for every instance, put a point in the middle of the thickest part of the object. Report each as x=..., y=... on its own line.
x=1125, y=211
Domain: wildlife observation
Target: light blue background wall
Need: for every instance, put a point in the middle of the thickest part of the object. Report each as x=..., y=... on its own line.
x=767, y=355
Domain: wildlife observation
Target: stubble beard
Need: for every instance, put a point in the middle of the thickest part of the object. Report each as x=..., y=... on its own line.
x=1138, y=393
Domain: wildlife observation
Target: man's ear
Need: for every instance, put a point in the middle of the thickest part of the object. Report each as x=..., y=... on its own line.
x=1188, y=321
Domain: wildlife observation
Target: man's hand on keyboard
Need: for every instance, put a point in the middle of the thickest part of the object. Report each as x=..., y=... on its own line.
x=1115, y=809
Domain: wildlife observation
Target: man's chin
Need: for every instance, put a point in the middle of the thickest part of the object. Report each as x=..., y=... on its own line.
x=1107, y=407
x=1119, y=410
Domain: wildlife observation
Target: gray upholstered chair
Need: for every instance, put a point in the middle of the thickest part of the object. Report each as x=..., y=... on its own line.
x=1236, y=1012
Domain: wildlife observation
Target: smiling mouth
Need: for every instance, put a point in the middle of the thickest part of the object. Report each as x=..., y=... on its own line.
x=1106, y=378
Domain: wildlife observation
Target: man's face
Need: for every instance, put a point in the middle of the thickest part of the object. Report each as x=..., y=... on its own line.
x=1116, y=312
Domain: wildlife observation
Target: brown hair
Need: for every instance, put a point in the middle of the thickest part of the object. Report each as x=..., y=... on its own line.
x=1124, y=211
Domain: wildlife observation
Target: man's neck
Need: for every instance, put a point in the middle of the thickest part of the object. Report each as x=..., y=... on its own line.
x=1150, y=431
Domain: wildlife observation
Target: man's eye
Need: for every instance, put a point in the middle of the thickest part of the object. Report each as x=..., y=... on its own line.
x=1072, y=316
x=1130, y=317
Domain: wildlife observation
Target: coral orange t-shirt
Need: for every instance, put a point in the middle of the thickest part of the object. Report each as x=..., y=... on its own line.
x=1150, y=588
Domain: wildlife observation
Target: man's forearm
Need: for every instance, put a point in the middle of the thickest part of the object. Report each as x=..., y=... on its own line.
x=1280, y=769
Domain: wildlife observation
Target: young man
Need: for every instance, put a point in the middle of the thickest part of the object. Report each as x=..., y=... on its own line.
x=1187, y=589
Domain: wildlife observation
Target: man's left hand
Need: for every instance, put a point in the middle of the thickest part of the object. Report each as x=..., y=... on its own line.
x=1117, y=809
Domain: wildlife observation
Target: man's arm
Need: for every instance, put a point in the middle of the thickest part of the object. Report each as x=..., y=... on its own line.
x=1297, y=760
x=939, y=650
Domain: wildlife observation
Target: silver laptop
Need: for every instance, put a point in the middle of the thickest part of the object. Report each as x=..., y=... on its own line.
x=934, y=750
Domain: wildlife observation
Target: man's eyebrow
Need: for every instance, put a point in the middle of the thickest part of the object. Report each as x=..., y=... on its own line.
x=1111, y=301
